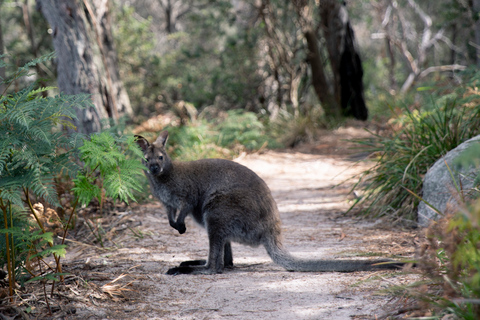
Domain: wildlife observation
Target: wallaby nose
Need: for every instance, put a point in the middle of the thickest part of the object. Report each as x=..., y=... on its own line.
x=154, y=168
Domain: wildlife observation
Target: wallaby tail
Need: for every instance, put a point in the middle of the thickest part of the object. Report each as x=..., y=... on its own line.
x=283, y=258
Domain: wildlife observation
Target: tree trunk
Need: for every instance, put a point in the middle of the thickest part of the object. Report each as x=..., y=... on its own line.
x=319, y=78
x=86, y=59
x=476, y=11
x=344, y=59
x=391, y=67
x=351, y=74
x=333, y=21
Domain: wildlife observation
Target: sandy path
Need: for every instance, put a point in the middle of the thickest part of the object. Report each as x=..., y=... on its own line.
x=256, y=288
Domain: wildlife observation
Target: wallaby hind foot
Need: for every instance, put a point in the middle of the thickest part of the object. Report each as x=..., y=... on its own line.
x=200, y=266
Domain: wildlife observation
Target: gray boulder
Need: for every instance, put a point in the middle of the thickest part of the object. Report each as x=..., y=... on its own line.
x=438, y=187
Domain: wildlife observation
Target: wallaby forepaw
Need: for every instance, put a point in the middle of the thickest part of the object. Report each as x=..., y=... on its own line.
x=181, y=229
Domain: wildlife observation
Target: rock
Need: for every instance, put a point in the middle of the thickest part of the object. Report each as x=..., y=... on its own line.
x=438, y=187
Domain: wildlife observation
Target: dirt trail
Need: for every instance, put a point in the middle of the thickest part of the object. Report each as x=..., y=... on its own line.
x=310, y=207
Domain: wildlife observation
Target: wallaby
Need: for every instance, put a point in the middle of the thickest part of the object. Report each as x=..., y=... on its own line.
x=233, y=204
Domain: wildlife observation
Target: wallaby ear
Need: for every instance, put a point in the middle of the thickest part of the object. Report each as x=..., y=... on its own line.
x=142, y=143
x=162, y=139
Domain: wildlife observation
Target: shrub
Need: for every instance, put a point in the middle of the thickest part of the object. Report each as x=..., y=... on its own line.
x=229, y=134
x=240, y=127
x=450, y=263
x=34, y=152
x=117, y=167
x=449, y=258
x=403, y=157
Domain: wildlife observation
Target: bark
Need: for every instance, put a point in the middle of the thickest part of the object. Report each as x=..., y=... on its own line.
x=344, y=59
x=391, y=67
x=386, y=23
x=86, y=59
x=319, y=78
x=321, y=82
x=351, y=79
x=476, y=11
x=174, y=10
x=333, y=20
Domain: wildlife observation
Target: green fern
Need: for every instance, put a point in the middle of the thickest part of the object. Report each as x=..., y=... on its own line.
x=85, y=188
x=34, y=149
x=30, y=148
x=25, y=70
x=115, y=158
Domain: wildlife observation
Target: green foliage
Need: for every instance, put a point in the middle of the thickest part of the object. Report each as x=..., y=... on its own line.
x=116, y=159
x=243, y=128
x=470, y=158
x=422, y=137
x=192, y=142
x=17, y=223
x=449, y=258
x=211, y=64
x=451, y=264
x=31, y=154
x=20, y=47
x=232, y=132
x=33, y=151
x=136, y=53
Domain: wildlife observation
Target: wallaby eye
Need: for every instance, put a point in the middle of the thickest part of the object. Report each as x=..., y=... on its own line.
x=160, y=158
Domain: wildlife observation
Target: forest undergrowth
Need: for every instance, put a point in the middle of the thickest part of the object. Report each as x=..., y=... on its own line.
x=416, y=136
x=56, y=183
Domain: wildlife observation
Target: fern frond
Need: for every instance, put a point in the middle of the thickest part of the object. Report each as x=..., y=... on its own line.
x=40, y=90
x=2, y=61
x=38, y=134
x=43, y=186
x=11, y=195
x=6, y=147
x=119, y=182
x=58, y=250
x=23, y=71
x=116, y=186
x=38, y=235
x=15, y=231
x=133, y=147
x=85, y=189
x=101, y=151
x=63, y=164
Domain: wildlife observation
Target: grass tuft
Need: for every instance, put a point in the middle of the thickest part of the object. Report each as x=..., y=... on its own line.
x=419, y=136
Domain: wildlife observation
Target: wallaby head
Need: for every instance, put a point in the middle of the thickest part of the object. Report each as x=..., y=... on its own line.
x=156, y=158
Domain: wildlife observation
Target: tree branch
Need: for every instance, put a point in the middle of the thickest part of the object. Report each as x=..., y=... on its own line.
x=451, y=67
